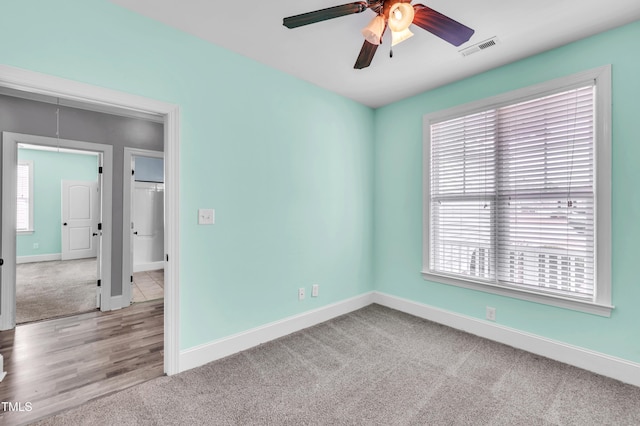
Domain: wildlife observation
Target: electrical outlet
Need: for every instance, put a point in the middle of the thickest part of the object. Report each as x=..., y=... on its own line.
x=314, y=290
x=301, y=293
x=491, y=313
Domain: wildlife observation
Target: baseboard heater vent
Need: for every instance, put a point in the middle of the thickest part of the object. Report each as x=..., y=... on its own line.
x=479, y=46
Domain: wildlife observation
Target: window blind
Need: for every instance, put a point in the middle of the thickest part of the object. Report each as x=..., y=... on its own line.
x=512, y=195
x=23, y=197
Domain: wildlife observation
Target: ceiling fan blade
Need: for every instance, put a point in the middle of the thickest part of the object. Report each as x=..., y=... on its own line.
x=440, y=25
x=367, y=52
x=324, y=14
x=366, y=55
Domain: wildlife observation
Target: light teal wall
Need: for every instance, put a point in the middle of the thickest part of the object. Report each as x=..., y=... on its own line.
x=398, y=197
x=291, y=171
x=49, y=169
x=287, y=166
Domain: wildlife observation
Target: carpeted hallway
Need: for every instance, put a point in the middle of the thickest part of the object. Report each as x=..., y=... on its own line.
x=375, y=366
x=53, y=289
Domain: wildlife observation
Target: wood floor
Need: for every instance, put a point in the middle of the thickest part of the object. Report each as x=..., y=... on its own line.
x=59, y=364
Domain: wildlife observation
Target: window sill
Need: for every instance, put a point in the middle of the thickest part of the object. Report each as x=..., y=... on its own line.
x=561, y=302
x=25, y=232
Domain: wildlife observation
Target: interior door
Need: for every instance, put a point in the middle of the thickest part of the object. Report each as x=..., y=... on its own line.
x=80, y=206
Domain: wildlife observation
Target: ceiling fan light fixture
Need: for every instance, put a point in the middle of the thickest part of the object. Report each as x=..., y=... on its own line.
x=400, y=36
x=400, y=17
x=373, y=31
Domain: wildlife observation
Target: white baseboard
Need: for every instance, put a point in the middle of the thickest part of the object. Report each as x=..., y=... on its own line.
x=151, y=266
x=39, y=258
x=221, y=348
x=2, y=372
x=597, y=362
x=116, y=303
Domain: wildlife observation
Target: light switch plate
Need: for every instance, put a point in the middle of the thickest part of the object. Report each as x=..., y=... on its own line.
x=206, y=216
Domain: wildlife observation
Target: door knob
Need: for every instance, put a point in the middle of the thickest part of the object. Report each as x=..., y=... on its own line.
x=135, y=232
x=65, y=224
x=95, y=233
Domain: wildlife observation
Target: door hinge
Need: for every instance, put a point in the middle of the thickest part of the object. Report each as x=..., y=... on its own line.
x=99, y=227
x=1, y=262
x=99, y=283
x=133, y=172
x=167, y=258
x=131, y=278
x=100, y=170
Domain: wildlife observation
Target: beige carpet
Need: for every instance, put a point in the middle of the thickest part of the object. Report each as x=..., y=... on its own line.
x=375, y=366
x=53, y=289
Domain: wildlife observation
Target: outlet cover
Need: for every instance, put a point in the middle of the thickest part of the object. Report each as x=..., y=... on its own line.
x=301, y=293
x=491, y=313
x=314, y=290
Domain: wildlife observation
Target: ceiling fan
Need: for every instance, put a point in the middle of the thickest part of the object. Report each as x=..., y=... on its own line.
x=398, y=15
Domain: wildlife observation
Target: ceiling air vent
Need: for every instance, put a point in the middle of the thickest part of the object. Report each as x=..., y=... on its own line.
x=479, y=46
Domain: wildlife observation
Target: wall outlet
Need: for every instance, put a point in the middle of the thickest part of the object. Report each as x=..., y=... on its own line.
x=301, y=293
x=314, y=290
x=491, y=313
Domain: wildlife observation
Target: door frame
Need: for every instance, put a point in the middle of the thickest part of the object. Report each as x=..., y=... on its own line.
x=10, y=143
x=127, y=206
x=83, y=95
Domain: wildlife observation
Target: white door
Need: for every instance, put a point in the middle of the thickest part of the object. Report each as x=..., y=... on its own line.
x=80, y=208
x=148, y=226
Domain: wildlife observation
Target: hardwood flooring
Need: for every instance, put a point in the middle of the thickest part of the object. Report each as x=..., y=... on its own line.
x=59, y=364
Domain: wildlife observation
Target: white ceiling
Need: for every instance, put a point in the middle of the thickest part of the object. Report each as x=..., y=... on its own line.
x=324, y=53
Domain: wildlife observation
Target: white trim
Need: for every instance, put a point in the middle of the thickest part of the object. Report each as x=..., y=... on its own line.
x=93, y=96
x=172, y=241
x=8, y=270
x=150, y=266
x=602, y=303
x=55, y=149
x=226, y=346
x=9, y=164
x=117, y=303
x=127, y=254
x=596, y=362
x=523, y=294
x=39, y=258
x=2, y=372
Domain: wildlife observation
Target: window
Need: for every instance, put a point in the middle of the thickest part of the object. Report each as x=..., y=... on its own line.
x=517, y=198
x=24, y=222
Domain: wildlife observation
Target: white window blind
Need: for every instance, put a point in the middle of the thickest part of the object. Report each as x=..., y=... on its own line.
x=24, y=216
x=512, y=196
x=546, y=194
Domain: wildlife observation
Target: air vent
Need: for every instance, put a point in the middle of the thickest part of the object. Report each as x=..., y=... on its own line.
x=479, y=46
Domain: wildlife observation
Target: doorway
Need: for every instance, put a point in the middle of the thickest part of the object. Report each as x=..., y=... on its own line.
x=73, y=230
x=96, y=98
x=57, y=237
x=143, y=211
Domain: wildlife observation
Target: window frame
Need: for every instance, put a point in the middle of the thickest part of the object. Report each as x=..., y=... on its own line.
x=30, y=228
x=601, y=305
